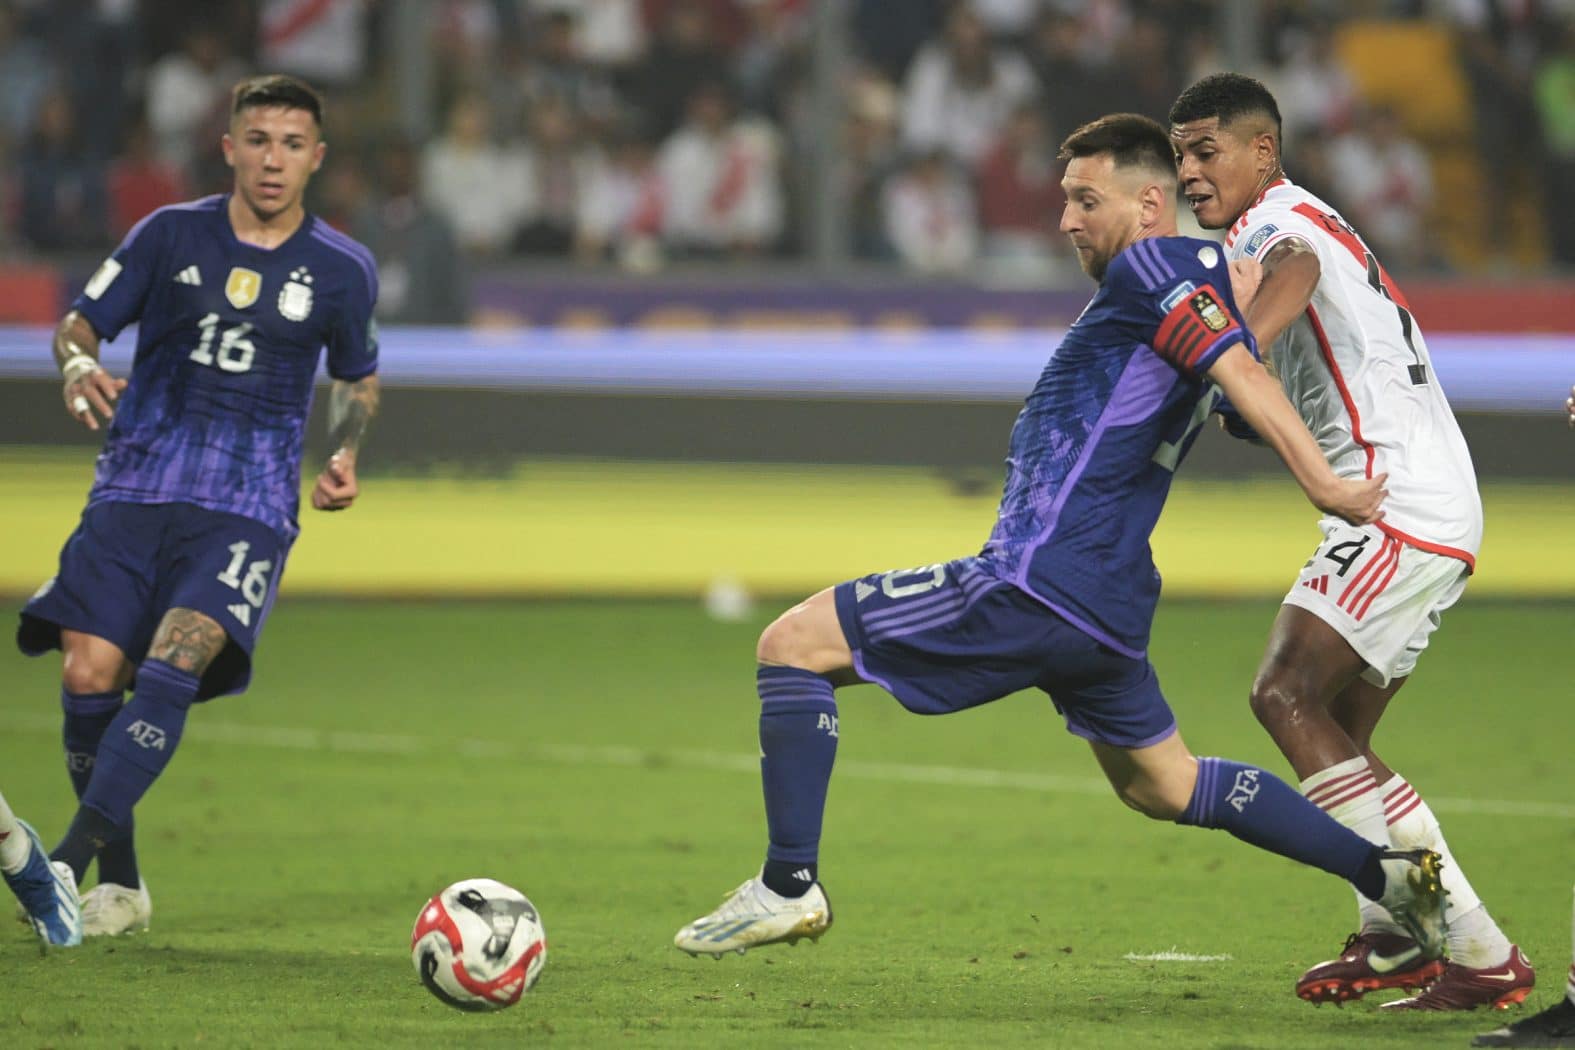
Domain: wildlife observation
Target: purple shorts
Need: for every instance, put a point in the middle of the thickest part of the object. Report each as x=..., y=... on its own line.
x=948, y=637
x=127, y=564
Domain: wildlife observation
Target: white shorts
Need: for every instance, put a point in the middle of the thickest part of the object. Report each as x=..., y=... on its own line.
x=1382, y=595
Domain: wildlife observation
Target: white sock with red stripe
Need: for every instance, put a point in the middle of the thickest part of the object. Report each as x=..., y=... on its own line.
x=1348, y=792
x=1474, y=938
x=13, y=841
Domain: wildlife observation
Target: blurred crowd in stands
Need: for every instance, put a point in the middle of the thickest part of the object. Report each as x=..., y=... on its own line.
x=635, y=132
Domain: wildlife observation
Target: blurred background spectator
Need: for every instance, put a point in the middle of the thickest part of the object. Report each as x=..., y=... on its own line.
x=916, y=134
x=960, y=90
x=420, y=271
x=721, y=182
x=481, y=187
x=1554, y=95
x=929, y=213
x=1386, y=183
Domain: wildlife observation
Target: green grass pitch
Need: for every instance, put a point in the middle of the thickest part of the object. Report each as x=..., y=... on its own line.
x=601, y=757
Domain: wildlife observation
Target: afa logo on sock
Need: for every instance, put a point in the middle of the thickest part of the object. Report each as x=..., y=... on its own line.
x=146, y=736
x=828, y=723
x=1244, y=790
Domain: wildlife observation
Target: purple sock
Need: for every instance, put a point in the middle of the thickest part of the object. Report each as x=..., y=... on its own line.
x=87, y=716
x=798, y=746
x=140, y=741
x=1258, y=807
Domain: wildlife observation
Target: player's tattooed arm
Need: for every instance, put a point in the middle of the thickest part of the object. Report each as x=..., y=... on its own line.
x=86, y=387
x=1290, y=276
x=188, y=640
x=351, y=406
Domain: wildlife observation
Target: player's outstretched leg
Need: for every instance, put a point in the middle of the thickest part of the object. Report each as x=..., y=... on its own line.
x=1484, y=968
x=798, y=747
x=87, y=716
x=1381, y=954
x=1260, y=808
x=138, y=745
x=47, y=892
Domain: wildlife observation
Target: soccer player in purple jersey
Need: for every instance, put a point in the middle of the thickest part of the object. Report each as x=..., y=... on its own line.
x=166, y=583
x=1062, y=596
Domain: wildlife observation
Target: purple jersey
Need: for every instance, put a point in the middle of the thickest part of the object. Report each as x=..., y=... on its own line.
x=227, y=347
x=1095, y=447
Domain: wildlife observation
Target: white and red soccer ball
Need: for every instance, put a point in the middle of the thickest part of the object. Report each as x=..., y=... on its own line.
x=478, y=945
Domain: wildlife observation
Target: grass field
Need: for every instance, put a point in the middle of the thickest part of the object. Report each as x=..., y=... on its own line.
x=601, y=756
x=574, y=528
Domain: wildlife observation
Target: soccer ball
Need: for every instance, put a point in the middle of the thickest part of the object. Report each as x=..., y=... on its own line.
x=478, y=945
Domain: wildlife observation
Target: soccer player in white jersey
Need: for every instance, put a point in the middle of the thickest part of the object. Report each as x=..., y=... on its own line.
x=1337, y=332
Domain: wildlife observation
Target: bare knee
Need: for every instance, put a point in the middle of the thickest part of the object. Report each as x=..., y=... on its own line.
x=1155, y=800
x=87, y=669
x=83, y=679
x=785, y=643
x=1161, y=790
x=809, y=637
x=1277, y=699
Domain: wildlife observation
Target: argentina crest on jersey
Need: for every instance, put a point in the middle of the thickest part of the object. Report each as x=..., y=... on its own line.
x=295, y=298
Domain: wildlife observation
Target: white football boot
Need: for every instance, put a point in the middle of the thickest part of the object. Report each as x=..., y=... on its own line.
x=1414, y=894
x=753, y=915
x=46, y=894
x=110, y=909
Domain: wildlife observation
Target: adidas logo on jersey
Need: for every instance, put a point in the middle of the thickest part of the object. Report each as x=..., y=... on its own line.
x=190, y=275
x=242, y=612
x=1318, y=583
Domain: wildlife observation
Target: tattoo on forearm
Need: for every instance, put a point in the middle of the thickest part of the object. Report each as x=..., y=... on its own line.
x=188, y=640
x=351, y=407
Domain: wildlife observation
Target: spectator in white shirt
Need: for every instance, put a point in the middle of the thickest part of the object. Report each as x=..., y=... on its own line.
x=960, y=90
x=1385, y=185
x=480, y=187
x=930, y=217
x=722, y=180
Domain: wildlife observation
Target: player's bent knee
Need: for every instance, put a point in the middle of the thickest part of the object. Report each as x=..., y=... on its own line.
x=1274, y=700
x=1161, y=789
x=85, y=678
x=1153, y=800
x=782, y=643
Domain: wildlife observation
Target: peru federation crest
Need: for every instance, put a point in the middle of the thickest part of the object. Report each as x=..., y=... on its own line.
x=295, y=298
x=242, y=287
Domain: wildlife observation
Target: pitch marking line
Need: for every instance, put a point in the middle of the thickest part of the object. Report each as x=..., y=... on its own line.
x=344, y=742
x=1174, y=956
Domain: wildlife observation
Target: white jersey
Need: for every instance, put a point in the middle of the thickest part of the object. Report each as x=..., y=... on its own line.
x=1357, y=369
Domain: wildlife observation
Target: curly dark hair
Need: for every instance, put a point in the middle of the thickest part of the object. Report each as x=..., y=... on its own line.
x=1227, y=96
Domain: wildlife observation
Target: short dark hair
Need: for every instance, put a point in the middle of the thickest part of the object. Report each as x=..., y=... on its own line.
x=1227, y=96
x=276, y=89
x=1132, y=140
